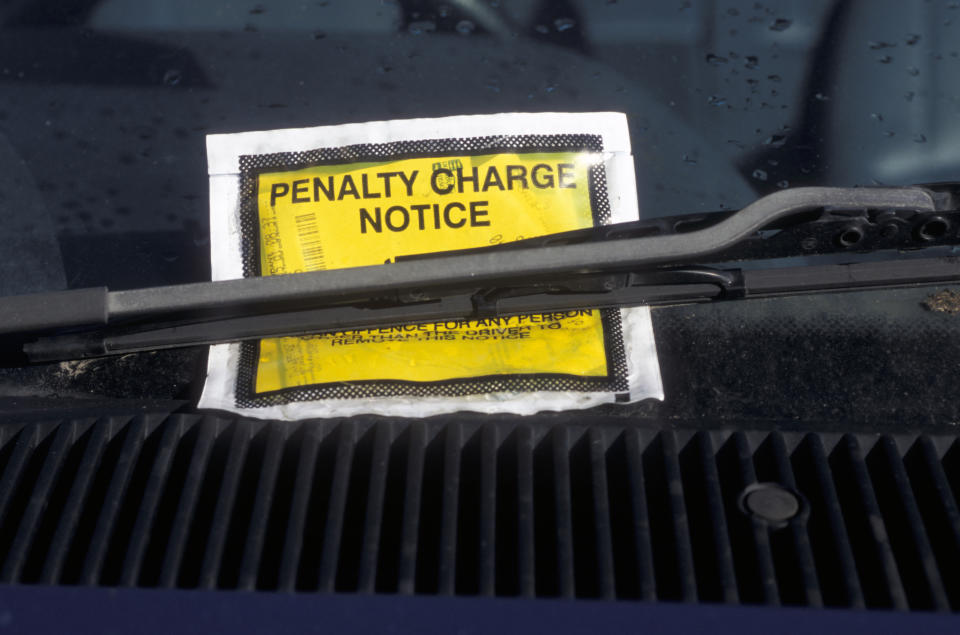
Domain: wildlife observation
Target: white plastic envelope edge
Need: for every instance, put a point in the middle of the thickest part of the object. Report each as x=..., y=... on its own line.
x=223, y=153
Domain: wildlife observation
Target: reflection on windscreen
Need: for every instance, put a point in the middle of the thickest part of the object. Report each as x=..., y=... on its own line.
x=105, y=105
x=286, y=15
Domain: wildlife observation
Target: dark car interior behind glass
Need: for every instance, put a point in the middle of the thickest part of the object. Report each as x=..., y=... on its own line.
x=847, y=399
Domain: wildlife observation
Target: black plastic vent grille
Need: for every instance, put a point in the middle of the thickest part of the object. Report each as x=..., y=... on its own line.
x=506, y=508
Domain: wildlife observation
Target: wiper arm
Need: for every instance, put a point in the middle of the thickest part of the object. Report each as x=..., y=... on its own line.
x=479, y=283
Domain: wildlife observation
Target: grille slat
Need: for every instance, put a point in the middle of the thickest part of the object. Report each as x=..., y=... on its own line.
x=938, y=505
x=829, y=529
x=563, y=512
x=373, y=522
x=526, y=549
x=216, y=540
x=126, y=462
x=875, y=554
x=176, y=545
x=601, y=515
x=148, y=505
x=716, y=554
x=799, y=551
x=916, y=555
x=70, y=516
x=413, y=495
x=683, y=557
x=339, y=489
x=759, y=534
x=642, y=562
x=297, y=520
x=489, y=442
x=29, y=519
x=24, y=443
x=263, y=501
x=449, y=510
x=503, y=507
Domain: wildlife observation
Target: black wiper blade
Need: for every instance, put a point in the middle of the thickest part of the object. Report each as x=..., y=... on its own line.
x=578, y=272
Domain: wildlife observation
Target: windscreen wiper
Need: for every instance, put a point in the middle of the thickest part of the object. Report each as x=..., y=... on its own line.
x=616, y=265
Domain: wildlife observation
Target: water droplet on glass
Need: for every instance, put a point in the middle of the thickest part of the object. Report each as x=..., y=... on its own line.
x=877, y=116
x=912, y=39
x=913, y=71
x=780, y=24
x=465, y=27
x=774, y=78
x=550, y=88
x=319, y=35
x=716, y=60
x=564, y=24
x=541, y=28
x=884, y=59
x=419, y=27
x=909, y=95
x=776, y=140
x=716, y=100
x=888, y=133
x=783, y=184
x=689, y=160
x=751, y=61
x=821, y=97
x=760, y=175
x=876, y=46
x=920, y=138
x=172, y=77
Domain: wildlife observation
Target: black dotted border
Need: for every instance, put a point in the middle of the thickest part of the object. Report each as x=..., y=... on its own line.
x=251, y=166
